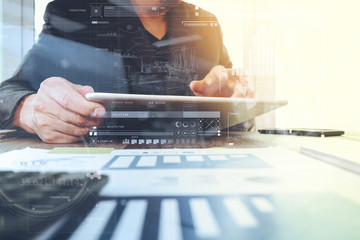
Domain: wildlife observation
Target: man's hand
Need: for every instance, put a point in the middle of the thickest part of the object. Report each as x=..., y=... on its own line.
x=221, y=82
x=59, y=113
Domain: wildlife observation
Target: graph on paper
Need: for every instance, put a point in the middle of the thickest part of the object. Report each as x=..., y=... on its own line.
x=122, y=162
x=259, y=216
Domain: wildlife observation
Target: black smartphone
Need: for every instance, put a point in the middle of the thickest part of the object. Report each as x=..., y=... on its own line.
x=303, y=132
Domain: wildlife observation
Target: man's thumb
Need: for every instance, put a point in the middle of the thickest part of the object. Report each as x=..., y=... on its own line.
x=83, y=90
x=198, y=87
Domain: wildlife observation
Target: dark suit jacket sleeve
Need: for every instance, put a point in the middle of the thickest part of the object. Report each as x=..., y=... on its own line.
x=12, y=92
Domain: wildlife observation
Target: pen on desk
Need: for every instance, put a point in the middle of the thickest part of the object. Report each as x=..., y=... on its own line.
x=332, y=160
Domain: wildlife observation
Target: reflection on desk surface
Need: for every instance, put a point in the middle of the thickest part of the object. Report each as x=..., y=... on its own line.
x=238, y=193
x=32, y=201
x=246, y=216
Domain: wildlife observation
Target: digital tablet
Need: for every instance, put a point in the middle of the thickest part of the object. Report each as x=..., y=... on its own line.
x=231, y=111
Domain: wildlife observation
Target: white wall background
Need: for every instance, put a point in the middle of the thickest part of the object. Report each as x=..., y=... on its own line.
x=319, y=49
x=40, y=6
x=1, y=38
x=16, y=33
x=305, y=51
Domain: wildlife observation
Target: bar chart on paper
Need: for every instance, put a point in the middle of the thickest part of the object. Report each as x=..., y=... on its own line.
x=216, y=217
x=122, y=162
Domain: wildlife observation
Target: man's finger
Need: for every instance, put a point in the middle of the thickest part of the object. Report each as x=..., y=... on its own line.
x=70, y=129
x=54, y=110
x=47, y=124
x=198, y=87
x=75, y=118
x=65, y=95
x=57, y=137
x=83, y=90
x=213, y=84
x=242, y=91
